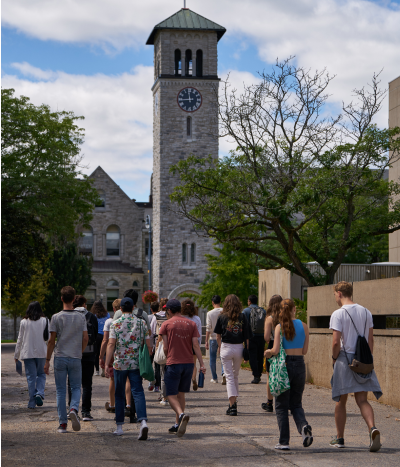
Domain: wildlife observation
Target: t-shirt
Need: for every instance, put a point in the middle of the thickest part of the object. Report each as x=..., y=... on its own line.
x=211, y=321
x=233, y=332
x=340, y=321
x=118, y=315
x=69, y=326
x=107, y=325
x=101, y=322
x=129, y=333
x=197, y=321
x=180, y=332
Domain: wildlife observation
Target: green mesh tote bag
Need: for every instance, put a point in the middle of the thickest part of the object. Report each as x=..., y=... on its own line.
x=145, y=366
x=278, y=375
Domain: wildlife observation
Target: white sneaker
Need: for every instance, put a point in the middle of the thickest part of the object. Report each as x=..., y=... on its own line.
x=164, y=402
x=214, y=381
x=306, y=433
x=144, y=430
x=118, y=431
x=282, y=447
x=97, y=373
x=76, y=424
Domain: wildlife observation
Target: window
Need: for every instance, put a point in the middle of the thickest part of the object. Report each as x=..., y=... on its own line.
x=90, y=297
x=192, y=253
x=112, y=294
x=135, y=284
x=86, y=242
x=112, y=241
x=199, y=63
x=189, y=127
x=146, y=248
x=178, y=62
x=102, y=196
x=184, y=253
x=112, y=283
x=93, y=283
x=188, y=63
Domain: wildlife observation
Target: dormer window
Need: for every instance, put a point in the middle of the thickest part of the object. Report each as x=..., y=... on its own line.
x=188, y=63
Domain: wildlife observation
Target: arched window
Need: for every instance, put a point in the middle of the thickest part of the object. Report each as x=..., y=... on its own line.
x=188, y=63
x=86, y=242
x=112, y=283
x=135, y=284
x=189, y=127
x=93, y=283
x=199, y=63
x=112, y=241
x=102, y=196
x=178, y=62
x=184, y=253
x=192, y=253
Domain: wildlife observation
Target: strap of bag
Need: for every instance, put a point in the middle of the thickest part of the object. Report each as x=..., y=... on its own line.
x=355, y=327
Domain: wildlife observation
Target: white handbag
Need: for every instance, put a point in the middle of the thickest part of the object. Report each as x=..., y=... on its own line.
x=160, y=356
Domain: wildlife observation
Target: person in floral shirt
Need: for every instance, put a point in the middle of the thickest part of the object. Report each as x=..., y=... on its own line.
x=127, y=335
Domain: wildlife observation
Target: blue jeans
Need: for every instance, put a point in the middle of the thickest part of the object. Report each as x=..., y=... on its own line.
x=213, y=358
x=137, y=394
x=36, y=378
x=71, y=367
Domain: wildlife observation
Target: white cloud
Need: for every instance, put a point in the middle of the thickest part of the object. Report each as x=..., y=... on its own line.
x=118, y=117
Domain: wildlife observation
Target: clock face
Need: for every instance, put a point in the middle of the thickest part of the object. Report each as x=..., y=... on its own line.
x=189, y=99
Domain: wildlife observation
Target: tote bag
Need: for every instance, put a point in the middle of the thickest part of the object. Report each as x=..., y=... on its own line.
x=145, y=366
x=278, y=375
x=159, y=356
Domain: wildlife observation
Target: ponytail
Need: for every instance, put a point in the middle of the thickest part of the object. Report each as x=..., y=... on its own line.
x=285, y=319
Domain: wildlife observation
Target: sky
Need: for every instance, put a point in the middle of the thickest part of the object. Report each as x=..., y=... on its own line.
x=91, y=57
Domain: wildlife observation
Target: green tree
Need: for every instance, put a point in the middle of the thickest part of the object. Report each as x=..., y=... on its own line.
x=300, y=186
x=67, y=267
x=44, y=193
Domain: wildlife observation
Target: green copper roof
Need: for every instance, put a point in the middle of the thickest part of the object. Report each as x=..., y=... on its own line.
x=187, y=19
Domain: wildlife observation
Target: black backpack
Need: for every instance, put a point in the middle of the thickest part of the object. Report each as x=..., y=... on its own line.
x=363, y=361
x=90, y=329
x=257, y=319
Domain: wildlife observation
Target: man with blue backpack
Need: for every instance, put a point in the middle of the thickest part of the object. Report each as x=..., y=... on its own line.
x=255, y=316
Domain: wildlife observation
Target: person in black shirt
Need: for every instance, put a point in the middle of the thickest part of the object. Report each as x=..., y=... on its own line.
x=232, y=330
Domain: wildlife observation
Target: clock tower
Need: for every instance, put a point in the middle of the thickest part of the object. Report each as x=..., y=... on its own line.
x=185, y=122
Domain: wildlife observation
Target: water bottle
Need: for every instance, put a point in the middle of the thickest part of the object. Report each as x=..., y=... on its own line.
x=200, y=384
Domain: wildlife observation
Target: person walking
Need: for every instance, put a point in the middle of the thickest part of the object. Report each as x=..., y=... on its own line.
x=211, y=338
x=154, y=307
x=31, y=348
x=88, y=358
x=295, y=342
x=232, y=330
x=271, y=321
x=102, y=316
x=189, y=311
x=127, y=334
x=70, y=329
x=255, y=316
x=180, y=337
x=161, y=317
x=349, y=322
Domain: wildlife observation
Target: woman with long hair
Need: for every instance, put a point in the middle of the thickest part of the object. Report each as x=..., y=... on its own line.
x=102, y=316
x=232, y=330
x=271, y=321
x=32, y=349
x=295, y=342
x=189, y=310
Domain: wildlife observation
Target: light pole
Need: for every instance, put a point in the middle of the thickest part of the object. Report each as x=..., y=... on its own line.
x=148, y=226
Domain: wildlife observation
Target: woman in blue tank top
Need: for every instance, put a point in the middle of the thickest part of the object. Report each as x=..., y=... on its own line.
x=295, y=342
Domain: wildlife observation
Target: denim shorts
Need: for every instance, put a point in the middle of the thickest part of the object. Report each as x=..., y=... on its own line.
x=178, y=378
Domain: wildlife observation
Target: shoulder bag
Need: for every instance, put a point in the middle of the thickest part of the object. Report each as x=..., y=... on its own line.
x=145, y=366
x=159, y=356
x=278, y=375
x=46, y=331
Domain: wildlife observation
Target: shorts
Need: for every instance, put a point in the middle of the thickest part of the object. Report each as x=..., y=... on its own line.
x=178, y=378
x=267, y=364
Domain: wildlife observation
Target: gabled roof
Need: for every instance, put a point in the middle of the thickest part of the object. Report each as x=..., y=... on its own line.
x=187, y=19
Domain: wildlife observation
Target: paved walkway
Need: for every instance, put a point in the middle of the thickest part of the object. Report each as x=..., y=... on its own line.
x=29, y=438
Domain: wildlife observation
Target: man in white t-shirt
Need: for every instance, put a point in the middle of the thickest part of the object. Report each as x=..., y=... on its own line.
x=211, y=338
x=347, y=323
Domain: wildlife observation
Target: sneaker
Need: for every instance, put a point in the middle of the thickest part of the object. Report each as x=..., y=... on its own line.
x=337, y=442
x=375, y=440
x=164, y=402
x=109, y=408
x=267, y=406
x=97, y=373
x=223, y=380
x=39, y=400
x=118, y=432
x=151, y=387
x=76, y=424
x=62, y=428
x=194, y=385
x=68, y=416
x=156, y=389
x=86, y=417
x=183, y=421
x=282, y=447
x=144, y=430
x=173, y=429
x=306, y=433
x=232, y=410
x=214, y=381
x=256, y=380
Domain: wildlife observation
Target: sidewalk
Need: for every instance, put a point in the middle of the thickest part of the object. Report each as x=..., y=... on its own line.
x=29, y=437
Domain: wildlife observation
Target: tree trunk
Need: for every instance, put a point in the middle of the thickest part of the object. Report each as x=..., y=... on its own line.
x=15, y=328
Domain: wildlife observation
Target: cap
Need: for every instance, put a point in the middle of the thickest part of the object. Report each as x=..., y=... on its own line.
x=127, y=304
x=174, y=305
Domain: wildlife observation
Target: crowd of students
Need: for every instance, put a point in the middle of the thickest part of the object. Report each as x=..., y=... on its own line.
x=83, y=340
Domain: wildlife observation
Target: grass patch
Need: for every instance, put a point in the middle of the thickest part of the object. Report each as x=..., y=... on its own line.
x=7, y=341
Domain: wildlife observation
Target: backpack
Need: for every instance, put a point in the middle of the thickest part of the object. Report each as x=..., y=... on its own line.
x=257, y=319
x=90, y=330
x=363, y=361
x=160, y=322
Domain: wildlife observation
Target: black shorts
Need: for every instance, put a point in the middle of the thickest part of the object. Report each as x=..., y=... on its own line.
x=177, y=378
x=267, y=364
